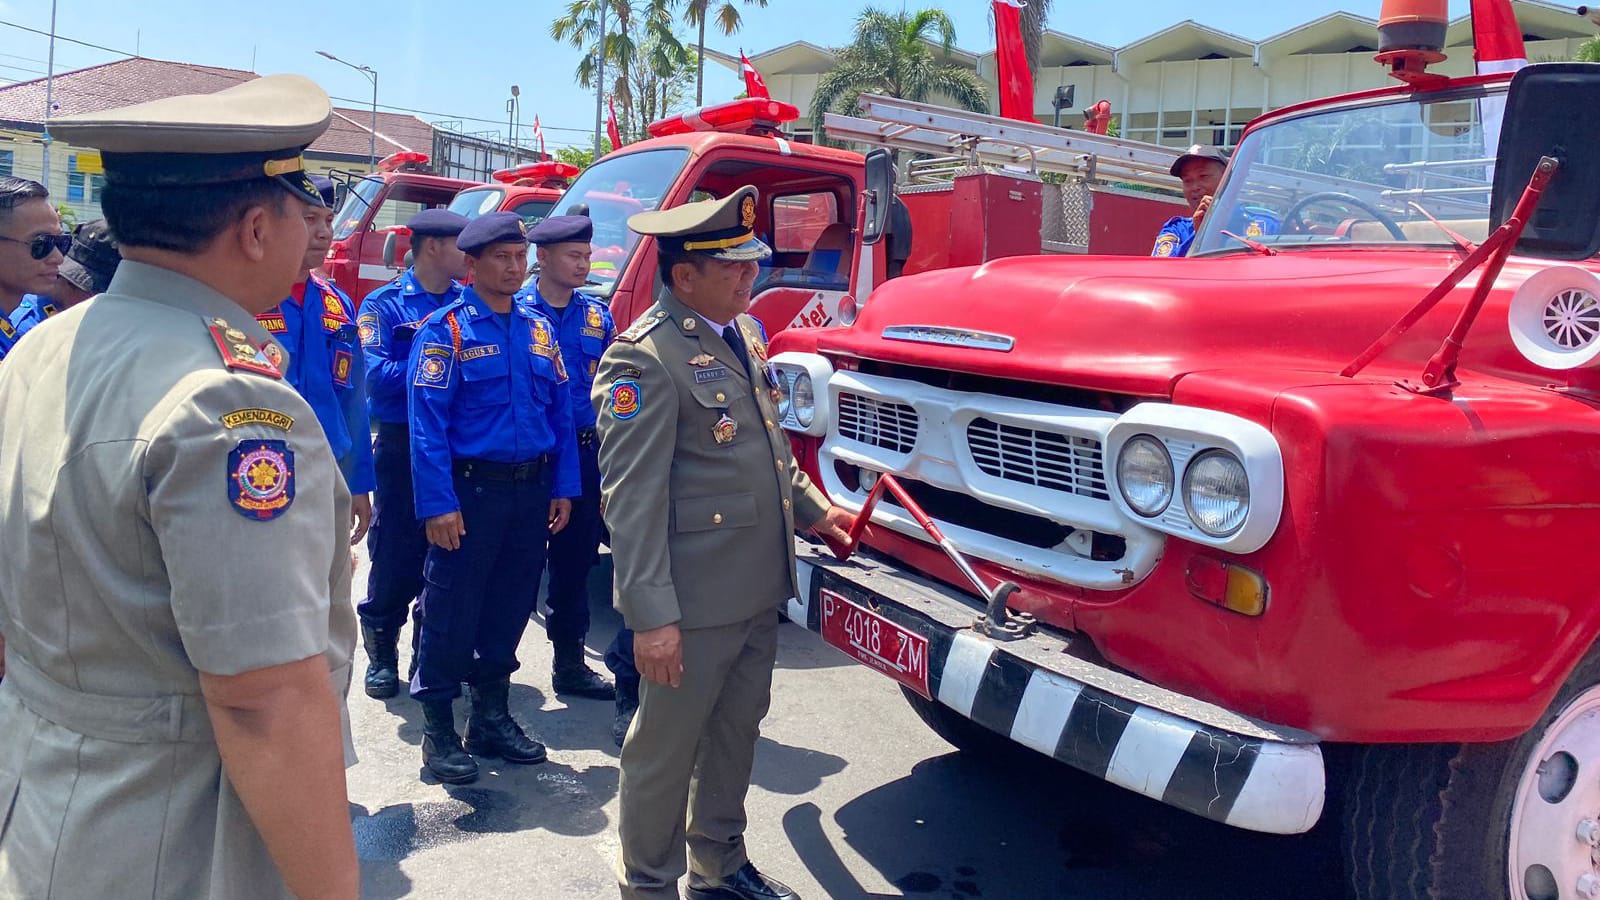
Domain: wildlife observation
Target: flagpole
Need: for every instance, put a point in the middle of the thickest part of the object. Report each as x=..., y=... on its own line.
x=49, y=98
x=600, y=78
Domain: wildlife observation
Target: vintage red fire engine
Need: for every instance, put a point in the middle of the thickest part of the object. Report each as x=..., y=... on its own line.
x=1293, y=528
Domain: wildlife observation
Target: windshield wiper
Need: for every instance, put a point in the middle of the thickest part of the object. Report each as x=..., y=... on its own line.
x=1461, y=243
x=1256, y=246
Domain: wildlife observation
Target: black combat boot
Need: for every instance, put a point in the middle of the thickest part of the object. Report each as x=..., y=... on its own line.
x=571, y=675
x=383, y=661
x=492, y=732
x=441, y=746
x=623, y=720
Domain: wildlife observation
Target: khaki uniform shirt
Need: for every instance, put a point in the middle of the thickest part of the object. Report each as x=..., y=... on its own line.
x=702, y=492
x=141, y=503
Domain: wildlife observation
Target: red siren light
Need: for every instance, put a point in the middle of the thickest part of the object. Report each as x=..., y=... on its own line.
x=1411, y=36
x=754, y=115
x=541, y=174
x=408, y=159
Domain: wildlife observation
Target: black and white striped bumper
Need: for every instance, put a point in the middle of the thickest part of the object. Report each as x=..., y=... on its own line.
x=1186, y=753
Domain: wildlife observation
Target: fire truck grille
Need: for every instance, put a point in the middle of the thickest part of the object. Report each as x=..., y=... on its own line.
x=878, y=423
x=1046, y=459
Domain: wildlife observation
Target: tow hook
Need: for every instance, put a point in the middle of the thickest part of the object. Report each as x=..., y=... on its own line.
x=997, y=621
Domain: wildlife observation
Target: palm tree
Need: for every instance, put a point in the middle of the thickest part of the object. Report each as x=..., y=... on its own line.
x=891, y=55
x=1033, y=25
x=728, y=21
x=630, y=26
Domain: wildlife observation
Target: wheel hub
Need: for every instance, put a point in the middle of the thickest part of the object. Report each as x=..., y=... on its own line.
x=1554, y=848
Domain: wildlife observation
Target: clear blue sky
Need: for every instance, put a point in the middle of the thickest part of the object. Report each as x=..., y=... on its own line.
x=460, y=58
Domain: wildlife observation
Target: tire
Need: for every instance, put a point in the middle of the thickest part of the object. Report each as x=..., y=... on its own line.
x=1435, y=821
x=958, y=730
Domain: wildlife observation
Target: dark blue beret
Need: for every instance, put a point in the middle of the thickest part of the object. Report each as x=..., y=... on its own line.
x=324, y=187
x=562, y=230
x=437, y=223
x=492, y=228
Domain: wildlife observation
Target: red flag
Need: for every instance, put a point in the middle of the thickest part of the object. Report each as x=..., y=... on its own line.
x=1497, y=46
x=1011, y=60
x=612, y=131
x=538, y=135
x=753, y=83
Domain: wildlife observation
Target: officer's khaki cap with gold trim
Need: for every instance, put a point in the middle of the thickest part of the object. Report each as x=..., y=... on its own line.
x=719, y=228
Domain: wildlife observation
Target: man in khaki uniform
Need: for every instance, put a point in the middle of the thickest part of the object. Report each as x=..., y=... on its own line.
x=702, y=495
x=177, y=609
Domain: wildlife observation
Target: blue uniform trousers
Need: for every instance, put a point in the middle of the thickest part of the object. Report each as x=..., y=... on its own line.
x=619, y=659
x=396, y=542
x=573, y=551
x=476, y=600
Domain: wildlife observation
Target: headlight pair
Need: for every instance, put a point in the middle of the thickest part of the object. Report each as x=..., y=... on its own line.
x=1216, y=488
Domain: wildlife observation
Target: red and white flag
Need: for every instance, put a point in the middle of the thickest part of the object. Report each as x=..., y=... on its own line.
x=1011, y=62
x=612, y=131
x=753, y=83
x=538, y=135
x=1497, y=46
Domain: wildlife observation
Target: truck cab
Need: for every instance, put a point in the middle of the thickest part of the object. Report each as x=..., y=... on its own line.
x=1275, y=530
x=370, y=239
x=530, y=191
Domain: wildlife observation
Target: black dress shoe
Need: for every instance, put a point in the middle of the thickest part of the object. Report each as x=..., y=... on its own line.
x=745, y=884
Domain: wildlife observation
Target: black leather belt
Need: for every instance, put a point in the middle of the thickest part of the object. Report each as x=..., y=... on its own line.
x=499, y=471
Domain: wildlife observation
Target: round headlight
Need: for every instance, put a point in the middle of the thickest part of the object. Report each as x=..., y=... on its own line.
x=1144, y=475
x=804, y=399
x=785, y=395
x=1217, y=492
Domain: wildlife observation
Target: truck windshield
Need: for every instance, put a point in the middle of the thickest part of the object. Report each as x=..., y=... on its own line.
x=1361, y=173
x=357, y=201
x=614, y=189
x=476, y=202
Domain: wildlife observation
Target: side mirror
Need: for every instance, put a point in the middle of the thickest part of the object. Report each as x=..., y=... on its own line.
x=1543, y=117
x=578, y=209
x=879, y=195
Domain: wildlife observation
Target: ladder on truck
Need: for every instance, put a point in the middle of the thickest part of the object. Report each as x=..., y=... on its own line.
x=957, y=138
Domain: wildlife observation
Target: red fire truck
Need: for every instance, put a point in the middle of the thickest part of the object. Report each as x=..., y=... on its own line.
x=530, y=191
x=811, y=195
x=373, y=218
x=1292, y=528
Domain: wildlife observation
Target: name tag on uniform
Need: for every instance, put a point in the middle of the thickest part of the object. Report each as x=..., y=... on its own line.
x=478, y=352
x=716, y=373
x=592, y=332
x=273, y=324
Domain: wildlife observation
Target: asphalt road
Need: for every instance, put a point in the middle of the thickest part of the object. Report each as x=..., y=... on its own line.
x=853, y=797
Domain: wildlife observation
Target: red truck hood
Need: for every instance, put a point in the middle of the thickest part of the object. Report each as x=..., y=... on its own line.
x=1136, y=325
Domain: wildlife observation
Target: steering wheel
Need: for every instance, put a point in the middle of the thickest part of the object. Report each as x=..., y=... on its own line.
x=1291, y=218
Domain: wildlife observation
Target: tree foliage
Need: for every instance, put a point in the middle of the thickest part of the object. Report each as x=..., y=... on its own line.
x=725, y=13
x=894, y=54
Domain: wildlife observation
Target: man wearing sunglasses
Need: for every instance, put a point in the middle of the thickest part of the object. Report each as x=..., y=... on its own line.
x=31, y=249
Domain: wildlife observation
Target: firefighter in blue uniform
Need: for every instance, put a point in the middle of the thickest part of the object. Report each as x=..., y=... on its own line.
x=1200, y=169
x=86, y=271
x=31, y=311
x=494, y=462
x=583, y=329
x=396, y=544
x=316, y=325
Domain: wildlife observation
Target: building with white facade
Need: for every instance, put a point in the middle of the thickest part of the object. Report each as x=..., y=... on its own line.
x=1191, y=83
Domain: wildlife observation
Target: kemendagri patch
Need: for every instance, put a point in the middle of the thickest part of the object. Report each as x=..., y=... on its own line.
x=624, y=399
x=261, y=479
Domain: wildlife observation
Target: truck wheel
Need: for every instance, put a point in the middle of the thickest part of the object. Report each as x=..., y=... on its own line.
x=1517, y=820
x=961, y=732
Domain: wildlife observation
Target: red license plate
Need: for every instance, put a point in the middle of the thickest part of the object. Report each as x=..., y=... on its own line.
x=876, y=642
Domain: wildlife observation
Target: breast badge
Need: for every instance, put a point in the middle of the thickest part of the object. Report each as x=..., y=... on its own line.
x=725, y=430
x=592, y=317
x=261, y=479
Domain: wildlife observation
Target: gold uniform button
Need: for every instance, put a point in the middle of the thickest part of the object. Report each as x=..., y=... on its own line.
x=780, y=465
x=786, y=503
x=716, y=519
x=721, y=397
x=769, y=425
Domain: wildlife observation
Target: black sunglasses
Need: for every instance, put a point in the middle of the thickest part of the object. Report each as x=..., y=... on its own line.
x=41, y=246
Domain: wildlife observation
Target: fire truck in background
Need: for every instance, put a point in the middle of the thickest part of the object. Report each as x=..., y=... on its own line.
x=370, y=239
x=1300, y=523
x=1106, y=195
x=530, y=191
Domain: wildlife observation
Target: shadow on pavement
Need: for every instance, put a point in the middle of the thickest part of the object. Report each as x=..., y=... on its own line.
x=1020, y=826
x=783, y=769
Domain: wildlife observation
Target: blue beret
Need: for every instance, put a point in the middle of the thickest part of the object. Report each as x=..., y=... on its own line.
x=324, y=187
x=562, y=230
x=492, y=228
x=437, y=223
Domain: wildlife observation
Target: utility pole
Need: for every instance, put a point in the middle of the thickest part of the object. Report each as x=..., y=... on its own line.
x=372, y=136
x=49, y=98
x=600, y=79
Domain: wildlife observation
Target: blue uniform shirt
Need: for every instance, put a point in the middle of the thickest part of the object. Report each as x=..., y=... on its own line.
x=390, y=317
x=584, y=329
x=324, y=367
x=491, y=387
x=8, y=336
x=31, y=311
x=1175, y=237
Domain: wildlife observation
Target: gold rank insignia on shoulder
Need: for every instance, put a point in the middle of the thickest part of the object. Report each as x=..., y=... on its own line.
x=725, y=430
x=642, y=327
x=240, y=354
x=704, y=359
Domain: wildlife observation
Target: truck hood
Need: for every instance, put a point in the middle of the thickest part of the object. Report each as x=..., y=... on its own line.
x=1136, y=325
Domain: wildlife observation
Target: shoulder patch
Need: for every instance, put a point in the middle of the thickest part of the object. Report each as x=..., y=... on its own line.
x=261, y=479
x=652, y=317
x=6, y=328
x=1166, y=245
x=624, y=398
x=368, y=330
x=238, y=352
x=255, y=415
x=435, y=366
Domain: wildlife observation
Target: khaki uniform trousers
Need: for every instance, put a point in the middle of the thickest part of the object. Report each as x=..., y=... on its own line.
x=691, y=749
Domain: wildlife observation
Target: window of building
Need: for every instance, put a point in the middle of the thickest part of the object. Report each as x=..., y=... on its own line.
x=84, y=185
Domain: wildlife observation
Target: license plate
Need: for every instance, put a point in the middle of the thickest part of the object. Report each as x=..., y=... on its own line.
x=876, y=642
